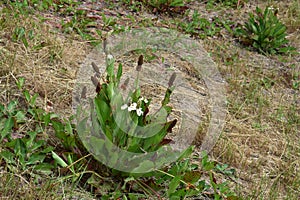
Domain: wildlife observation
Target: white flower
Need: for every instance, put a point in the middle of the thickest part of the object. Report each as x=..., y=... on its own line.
x=125, y=106
x=109, y=57
x=132, y=107
x=139, y=111
x=143, y=99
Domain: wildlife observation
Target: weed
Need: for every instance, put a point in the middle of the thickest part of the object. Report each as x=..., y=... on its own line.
x=265, y=32
x=201, y=27
x=170, y=6
x=25, y=149
x=79, y=23
x=230, y=3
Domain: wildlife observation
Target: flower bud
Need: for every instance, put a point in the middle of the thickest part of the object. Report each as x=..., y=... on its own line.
x=140, y=63
x=172, y=79
x=96, y=69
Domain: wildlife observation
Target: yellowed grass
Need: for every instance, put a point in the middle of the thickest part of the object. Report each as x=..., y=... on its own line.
x=48, y=64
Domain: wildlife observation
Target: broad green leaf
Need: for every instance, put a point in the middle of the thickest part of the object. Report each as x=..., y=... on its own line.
x=102, y=110
x=35, y=158
x=145, y=166
x=20, y=148
x=97, y=144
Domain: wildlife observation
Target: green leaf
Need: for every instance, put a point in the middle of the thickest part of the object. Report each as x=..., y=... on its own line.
x=110, y=90
x=279, y=30
x=59, y=160
x=11, y=106
x=7, y=156
x=20, y=148
x=37, y=145
x=173, y=185
x=20, y=83
x=119, y=73
x=47, y=119
x=33, y=99
x=45, y=168
x=47, y=149
x=36, y=158
x=32, y=136
x=177, y=3
x=20, y=116
x=8, y=125
x=97, y=145
x=187, y=152
x=27, y=95
x=145, y=166
x=102, y=110
x=110, y=71
x=68, y=128
x=206, y=164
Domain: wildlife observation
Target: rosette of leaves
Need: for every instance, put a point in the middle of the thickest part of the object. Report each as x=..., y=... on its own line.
x=121, y=125
x=265, y=32
x=124, y=125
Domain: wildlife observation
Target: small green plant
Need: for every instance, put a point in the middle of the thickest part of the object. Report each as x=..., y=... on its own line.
x=79, y=23
x=20, y=34
x=165, y=5
x=229, y=3
x=25, y=149
x=125, y=122
x=265, y=32
x=201, y=27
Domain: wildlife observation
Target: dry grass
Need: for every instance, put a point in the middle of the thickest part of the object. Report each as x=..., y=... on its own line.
x=49, y=63
x=261, y=136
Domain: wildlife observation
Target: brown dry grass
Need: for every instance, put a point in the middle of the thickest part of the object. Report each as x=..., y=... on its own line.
x=48, y=64
x=261, y=137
